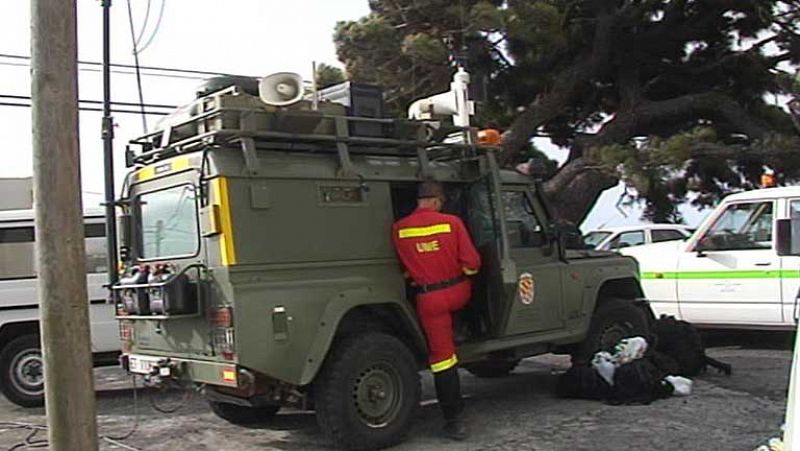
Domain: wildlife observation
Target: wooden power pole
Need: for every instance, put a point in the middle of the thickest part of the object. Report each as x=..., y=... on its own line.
x=60, y=252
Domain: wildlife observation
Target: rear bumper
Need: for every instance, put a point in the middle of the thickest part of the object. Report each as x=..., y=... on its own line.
x=199, y=371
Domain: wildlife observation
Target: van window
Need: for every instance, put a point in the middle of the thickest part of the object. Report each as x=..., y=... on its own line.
x=741, y=227
x=16, y=253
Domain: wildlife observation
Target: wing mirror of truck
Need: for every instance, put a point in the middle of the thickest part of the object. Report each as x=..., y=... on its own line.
x=787, y=233
x=124, y=235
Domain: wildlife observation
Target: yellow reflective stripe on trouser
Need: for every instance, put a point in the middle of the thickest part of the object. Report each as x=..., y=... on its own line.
x=415, y=232
x=227, y=250
x=444, y=364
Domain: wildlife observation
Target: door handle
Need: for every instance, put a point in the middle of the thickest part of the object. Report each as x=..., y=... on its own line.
x=764, y=264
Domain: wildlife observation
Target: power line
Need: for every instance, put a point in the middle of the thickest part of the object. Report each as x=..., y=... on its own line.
x=136, y=63
x=85, y=108
x=98, y=102
x=89, y=69
x=130, y=66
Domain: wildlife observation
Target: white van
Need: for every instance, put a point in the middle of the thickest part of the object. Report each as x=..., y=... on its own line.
x=728, y=273
x=21, y=375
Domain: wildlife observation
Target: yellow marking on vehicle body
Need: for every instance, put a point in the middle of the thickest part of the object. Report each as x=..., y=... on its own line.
x=159, y=169
x=444, y=364
x=416, y=232
x=227, y=251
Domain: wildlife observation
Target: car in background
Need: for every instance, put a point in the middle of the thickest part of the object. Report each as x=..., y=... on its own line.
x=613, y=238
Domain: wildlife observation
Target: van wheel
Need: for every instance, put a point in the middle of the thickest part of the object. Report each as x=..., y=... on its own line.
x=367, y=392
x=613, y=321
x=243, y=415
x=22, y=371
x=491, y=368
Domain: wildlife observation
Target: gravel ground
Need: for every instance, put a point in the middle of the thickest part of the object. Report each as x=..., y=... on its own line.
x=519, y=412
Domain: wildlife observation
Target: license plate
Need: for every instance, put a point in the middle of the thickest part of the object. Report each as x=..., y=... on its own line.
x=142, y=365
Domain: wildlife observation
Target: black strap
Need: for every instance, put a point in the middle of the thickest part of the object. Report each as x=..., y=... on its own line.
x=441, y=285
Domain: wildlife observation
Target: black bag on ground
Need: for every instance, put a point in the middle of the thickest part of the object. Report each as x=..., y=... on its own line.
x=639, y=382
x=681, y=341
x=582, y=382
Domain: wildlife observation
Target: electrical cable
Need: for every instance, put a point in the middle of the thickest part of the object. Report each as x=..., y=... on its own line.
x=129, y=66
x=83, y=108
x=30, y=440
x=98, y=102
x=122, y=72
x=136, y=63
x=144, y=24
x=155, y=29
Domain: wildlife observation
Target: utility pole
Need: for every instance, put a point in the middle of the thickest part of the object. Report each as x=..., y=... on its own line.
x=60, y=253
x=107, y=128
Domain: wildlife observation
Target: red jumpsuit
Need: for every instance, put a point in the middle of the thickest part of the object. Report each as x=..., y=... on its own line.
x=435, y=247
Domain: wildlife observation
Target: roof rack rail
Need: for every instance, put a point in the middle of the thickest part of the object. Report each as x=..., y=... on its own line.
x=233, y=118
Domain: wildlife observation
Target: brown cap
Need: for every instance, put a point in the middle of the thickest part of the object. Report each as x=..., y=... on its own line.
x=430, y=188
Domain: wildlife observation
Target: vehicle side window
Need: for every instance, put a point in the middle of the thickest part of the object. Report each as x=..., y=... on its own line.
x=16, y=253
x=666, y=235
x=524, y=229
x=96, y=248
x=741, y=227
x=627, y=239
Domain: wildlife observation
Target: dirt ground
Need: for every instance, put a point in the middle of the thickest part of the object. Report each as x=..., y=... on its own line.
x=519, y=412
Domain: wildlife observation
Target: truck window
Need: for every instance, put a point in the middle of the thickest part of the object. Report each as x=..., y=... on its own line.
x=627, y=239
x=524, y=229
x=168, y=223
x=665, y=235
x=741, y=227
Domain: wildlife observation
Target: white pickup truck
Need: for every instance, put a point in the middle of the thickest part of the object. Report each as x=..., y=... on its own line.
x=728, y=273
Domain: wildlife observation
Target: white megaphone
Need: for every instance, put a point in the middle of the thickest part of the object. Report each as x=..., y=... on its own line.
x=281, y=89
x=454, y=102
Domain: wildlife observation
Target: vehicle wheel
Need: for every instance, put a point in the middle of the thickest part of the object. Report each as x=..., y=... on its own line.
x=22, y=371
x=243, y=415
x=611, y=322
x=367, y=391
x=491, y=368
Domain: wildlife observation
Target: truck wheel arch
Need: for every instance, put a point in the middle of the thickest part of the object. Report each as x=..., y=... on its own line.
x=393, y=317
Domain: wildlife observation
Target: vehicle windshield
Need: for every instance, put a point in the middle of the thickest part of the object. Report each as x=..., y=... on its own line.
x=168, y=223
x=592, y=239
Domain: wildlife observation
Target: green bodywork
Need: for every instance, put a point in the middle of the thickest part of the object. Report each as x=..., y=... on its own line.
x=313, y=256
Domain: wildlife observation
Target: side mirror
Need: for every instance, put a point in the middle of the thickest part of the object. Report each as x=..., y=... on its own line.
x=124, y=234
x=787, y=234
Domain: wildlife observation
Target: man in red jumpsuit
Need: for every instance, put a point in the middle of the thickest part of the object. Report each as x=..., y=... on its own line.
x=438, y=255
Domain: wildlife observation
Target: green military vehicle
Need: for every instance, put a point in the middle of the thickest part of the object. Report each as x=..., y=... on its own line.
x=255, y=237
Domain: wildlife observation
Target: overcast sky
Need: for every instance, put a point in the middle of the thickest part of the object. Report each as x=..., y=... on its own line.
x=251, y=37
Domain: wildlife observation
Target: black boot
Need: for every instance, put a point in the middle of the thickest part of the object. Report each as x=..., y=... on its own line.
x=448, y=391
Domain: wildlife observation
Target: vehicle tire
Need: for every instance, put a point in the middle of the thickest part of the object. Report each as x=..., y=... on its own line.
x=491, y=368
x=22, y=371
x=243, y=415
x=614, y=320
x=367, y=391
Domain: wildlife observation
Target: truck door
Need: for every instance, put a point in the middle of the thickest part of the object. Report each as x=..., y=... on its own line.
x=790, y=274
x=534, y=296
x=731, y=273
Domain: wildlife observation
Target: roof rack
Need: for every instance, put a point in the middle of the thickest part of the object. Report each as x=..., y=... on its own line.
x=233, y=118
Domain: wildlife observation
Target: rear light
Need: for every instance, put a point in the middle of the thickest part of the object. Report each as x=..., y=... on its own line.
x=126, y=336
x=221, y=317
x=221, y=321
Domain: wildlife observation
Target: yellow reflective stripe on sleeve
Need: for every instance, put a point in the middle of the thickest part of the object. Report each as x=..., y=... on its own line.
x=444, y=364
x=415, y=232
x=227, y=251
x=470, y=272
